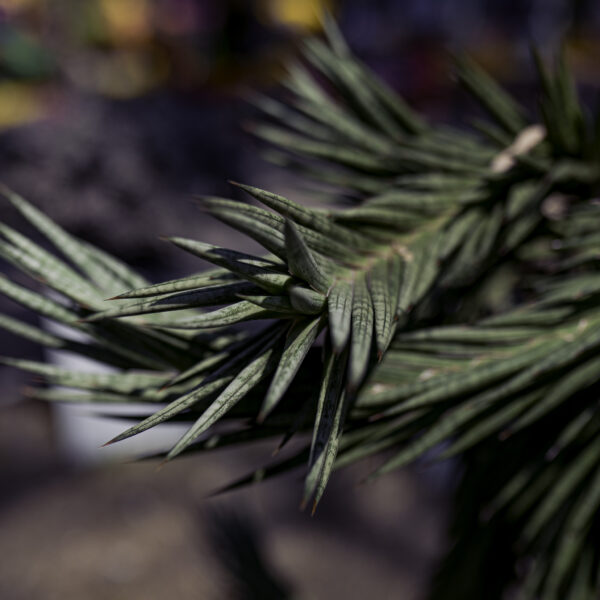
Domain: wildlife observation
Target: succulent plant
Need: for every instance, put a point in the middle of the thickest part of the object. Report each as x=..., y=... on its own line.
x=443, y=300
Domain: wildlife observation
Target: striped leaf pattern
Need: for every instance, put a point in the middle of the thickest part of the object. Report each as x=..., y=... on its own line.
x=443, y=299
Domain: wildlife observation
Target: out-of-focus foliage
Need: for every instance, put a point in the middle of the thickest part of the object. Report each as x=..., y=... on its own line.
x=125, y=48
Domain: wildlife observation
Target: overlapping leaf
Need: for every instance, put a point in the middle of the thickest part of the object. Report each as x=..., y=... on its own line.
x=377, y=329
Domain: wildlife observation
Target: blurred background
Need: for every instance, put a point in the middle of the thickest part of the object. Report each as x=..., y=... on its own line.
x=113, y=114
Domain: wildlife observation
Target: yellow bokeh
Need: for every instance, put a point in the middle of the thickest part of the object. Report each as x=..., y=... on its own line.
x=19, y=103
x=127, y=21
x=305, y=14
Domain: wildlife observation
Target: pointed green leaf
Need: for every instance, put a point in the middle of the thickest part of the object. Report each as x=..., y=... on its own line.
x=33, y=334
x=297, y=344
x=191, y=282
x=340, y=313
x=245, y=380
x=485, y=427
x=582, y=376
x=270, y=303
x=301, y=261
x=216, y=381
x=554, y=500
x=119, y=382
x=379, y=281
x=328, y=426
x=207, y=296
x=308, y=218
x=305, y=300
x=493, y=98
x=362, y=332
x=87, y=260
x=222, y=317
x=37, y=303
x=42, y=265
x=261, y=271
x=257, y=223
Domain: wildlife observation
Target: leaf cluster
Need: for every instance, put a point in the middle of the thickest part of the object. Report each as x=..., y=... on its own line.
x=376, y=333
